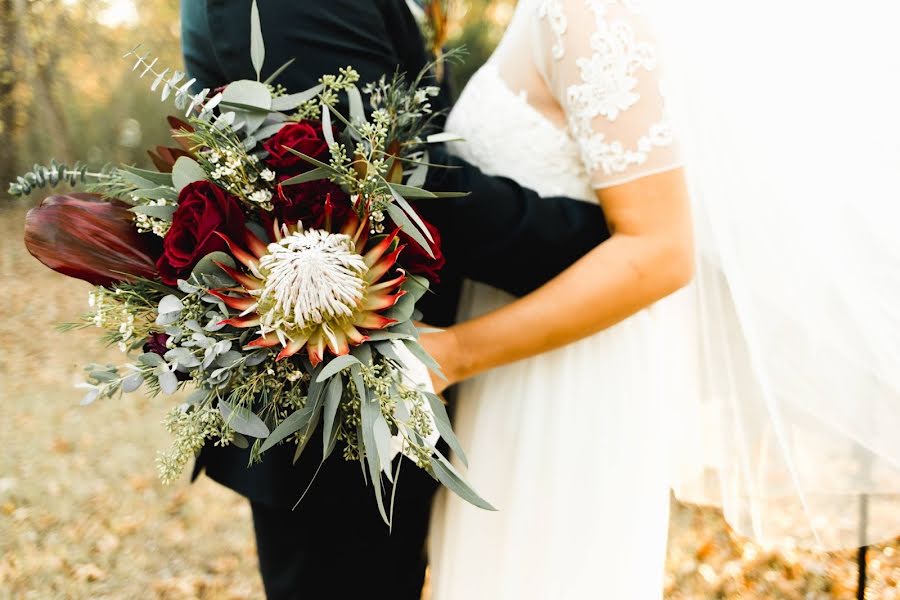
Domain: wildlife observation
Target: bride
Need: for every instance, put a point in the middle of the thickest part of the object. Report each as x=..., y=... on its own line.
x=569, y=442
x=584, y=402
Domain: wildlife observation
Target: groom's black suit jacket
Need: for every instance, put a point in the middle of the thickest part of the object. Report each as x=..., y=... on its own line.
x=501, y=234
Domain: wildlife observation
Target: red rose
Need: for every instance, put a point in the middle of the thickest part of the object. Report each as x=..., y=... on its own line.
x=203, y=209
x=305, y=202
x=415, y=260
x=305, y=137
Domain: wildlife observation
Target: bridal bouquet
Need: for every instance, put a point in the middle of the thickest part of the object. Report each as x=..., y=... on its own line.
x=272, y=262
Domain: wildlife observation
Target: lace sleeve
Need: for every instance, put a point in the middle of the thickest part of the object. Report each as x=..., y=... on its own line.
x=599, y=59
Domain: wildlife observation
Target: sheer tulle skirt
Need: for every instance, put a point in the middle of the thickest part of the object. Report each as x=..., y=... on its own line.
x=571, y=447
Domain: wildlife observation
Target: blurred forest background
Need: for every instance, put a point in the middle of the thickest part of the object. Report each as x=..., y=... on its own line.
x=82, y=514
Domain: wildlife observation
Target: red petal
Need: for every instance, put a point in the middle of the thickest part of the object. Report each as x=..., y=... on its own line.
x=377, y=251
x=383, y=266
x=389, y=284
x=244, y=322
x=351, y=225
x=382, y=301
x=88, y=238
x=370, y=320
x=239, y=253
x=254, y=244
x=337, y=343
x=354, y=336
x=293, y=347
x=316, y=348
x=264, y=342
x=249, y=283
x=233, y=302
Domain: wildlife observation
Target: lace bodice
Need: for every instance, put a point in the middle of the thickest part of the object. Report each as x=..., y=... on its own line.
x=570, y=102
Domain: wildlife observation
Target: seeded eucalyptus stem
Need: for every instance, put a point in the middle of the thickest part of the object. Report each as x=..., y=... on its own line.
x=42, y=176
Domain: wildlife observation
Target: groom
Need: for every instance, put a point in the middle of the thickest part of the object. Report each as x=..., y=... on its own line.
x=335, y=545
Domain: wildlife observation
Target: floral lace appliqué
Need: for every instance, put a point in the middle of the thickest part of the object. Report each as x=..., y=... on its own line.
x=556, y=17
x=610, y=79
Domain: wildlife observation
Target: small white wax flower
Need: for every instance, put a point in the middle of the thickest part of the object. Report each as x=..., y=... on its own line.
x=261, y=196
x=267, y=175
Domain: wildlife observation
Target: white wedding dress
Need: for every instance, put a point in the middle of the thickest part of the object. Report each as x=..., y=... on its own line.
x=569, y=446
x=771, y=386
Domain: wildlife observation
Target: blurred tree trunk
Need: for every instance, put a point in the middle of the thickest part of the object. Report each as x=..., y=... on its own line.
x=9, y=32
x=49, y=111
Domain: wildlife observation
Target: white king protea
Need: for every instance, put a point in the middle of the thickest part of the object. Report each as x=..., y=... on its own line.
x=313, y=288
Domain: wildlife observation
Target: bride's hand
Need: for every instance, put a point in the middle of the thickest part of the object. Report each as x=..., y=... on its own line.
x=443, y=347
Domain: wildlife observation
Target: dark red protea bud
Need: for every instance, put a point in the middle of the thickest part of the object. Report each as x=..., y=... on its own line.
x=88, y=238
x=164, y=158
x=156, y=343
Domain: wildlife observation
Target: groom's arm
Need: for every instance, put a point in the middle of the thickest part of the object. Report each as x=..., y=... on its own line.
x=504, y=234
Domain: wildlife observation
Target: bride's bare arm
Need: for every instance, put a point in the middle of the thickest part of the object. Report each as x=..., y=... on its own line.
x=649, y=256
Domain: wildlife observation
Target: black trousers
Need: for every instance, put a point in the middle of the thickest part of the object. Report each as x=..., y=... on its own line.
x=334, y=544
x=303, y=558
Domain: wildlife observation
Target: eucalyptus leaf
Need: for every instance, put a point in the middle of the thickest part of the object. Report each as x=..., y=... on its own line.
x=386, y=349
x=154, y=177
x=257, y=45
x=382, y=435
x=448, y=476
x=292, y=101
x=90, y=397
x=311, y=175
x=170, y=304
x=406, y=328
x=207, y=264
x=415, y=286
x=271, y=78
x=419, y=175
x=443, y=137
x=386, y=334
x=411, y=213
x=355, y=102
x=104, y=376
x=442, y=421
x=163, y=213
x=168, y=383
x=151, y=359
x=132, y=383
x=197, y=396
x=308, y=430
x=403, y=309
x=229, y=359
x=239, y=441
x=290, y=425
x=243, y=420
x=410, y=191
x=335, y=366
x=267, y=131
x=399, y=217
x=256, y=358
x=370, y=410
x=333, y=394
x=420, y=353
x=135, y=179
x=309, y=159
x=327, y=129
x=162, y=192
x=363, y=353
x=185, y=172
x=254, y=100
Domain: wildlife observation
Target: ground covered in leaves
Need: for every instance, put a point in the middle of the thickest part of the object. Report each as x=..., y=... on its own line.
x=82, y=514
